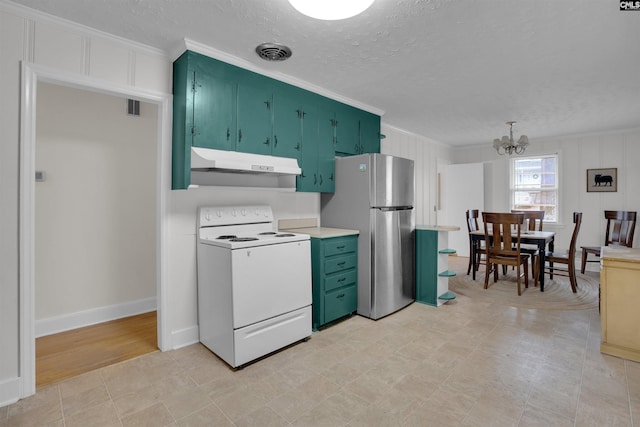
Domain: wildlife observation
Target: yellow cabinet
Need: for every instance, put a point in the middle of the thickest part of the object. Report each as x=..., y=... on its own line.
x=619, y=301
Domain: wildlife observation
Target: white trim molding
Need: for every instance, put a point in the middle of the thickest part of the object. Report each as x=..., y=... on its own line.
x=66, y=322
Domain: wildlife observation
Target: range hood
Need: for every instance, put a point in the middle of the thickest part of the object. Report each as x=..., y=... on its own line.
x=235, y=169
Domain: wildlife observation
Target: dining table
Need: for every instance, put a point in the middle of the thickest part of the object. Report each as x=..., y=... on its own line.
x=541, y=239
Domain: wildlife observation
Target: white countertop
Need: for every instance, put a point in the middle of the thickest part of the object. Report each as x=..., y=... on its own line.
x=621, y=253
x=323, y=232
x=437, y=227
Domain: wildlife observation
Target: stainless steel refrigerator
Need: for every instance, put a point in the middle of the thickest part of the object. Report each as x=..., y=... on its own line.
x=374, y=194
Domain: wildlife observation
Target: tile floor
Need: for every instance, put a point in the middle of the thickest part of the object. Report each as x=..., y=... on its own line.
x=466, y=363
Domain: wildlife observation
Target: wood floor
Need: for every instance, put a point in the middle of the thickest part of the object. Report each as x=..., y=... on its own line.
x=67, y=354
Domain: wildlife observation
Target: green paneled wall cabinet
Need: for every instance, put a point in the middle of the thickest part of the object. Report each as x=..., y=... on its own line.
x=221, y=106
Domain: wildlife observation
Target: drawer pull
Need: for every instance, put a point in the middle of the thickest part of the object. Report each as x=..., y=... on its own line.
x=341, y=247
x=340, y=296
x=342, y=279
x=342, y=263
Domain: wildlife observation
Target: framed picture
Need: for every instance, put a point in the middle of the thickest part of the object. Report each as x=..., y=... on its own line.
x=602, y=180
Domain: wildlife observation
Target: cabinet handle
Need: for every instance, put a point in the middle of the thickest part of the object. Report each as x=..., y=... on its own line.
x=320, y=179
x=268, y=103
x=267, y=142
x=331, y=177
x=299, y=113
x=342, y=263
x=341, y=247
x=297, y=147
x=302, y=175
x=239, y=135
x=342, y=279
x=275, y=141
x=356, y=148
x=228, y=134
x=315, y=178
x=340, y=296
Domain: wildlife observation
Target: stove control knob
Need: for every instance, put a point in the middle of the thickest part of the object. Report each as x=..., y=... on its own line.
x=219, y=213
x=234, y=213
x=243, y=212
x=207, y=216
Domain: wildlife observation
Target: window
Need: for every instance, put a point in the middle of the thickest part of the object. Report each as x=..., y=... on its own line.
x=534, y=185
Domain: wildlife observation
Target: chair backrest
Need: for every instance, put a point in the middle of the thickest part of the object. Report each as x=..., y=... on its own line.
x=620, y=228
x=532, y=219
x=577, y=220
x=498, y=229
x=472, y=220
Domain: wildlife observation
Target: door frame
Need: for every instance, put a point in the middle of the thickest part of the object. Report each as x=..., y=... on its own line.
x=31, y=74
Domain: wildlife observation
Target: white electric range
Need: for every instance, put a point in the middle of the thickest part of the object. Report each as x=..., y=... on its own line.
x=254, y=283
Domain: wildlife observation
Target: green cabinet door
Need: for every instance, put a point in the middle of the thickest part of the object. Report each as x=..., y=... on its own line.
x=369, y=132
x=287, y=122
x=326, y=153
x=308, y=180
x=214, y=107
x=254, y=118
x=346, y=129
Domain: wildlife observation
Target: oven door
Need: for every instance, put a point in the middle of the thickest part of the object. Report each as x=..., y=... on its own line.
x=270, y=280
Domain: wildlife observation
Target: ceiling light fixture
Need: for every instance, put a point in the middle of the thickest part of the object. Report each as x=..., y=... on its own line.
x=507, y=144
x=331, y=10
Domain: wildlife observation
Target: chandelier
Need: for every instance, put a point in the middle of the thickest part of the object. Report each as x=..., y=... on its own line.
x=331, y=10
x=507, y=145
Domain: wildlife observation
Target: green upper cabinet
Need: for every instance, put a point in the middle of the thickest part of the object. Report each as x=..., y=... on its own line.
x=317, y=159
x=369, y=132
x=287, y=122
x=220, y=106
x=255, y=114
x=214, y=107
x=347, y=129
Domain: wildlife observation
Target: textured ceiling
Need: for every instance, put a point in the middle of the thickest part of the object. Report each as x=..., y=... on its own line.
x=451, y=70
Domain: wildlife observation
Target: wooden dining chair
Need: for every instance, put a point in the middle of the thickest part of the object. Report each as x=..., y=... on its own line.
x=533, y=221
x=620, y=228
x=567, y=258
x=503, y=245
x=472, y=225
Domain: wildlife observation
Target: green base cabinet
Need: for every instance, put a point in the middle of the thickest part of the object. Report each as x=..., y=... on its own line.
x=432, y=273
x=335, y=278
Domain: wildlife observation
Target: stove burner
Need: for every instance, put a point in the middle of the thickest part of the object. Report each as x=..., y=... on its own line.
x=227, y=237
x=243, y=239
x=266, y=233
x=285, y=235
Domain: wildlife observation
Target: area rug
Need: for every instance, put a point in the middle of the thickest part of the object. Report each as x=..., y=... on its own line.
x=557, y=293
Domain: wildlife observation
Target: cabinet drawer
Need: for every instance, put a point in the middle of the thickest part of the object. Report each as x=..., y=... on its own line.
x=339, y=280
x=340, y=263
x=340, y=303
x=341, y=246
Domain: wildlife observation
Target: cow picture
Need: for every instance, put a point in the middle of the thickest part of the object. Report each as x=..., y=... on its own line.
x=602, y=180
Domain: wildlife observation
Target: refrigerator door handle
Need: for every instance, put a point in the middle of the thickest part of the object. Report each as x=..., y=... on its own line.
x=395, y=208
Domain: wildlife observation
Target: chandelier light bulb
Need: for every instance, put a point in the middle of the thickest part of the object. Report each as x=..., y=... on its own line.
x=331, y=10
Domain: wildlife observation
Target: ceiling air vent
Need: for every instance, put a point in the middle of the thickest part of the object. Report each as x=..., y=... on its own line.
x=273, y=51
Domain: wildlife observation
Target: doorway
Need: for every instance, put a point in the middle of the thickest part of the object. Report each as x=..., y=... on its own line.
x=31, y=76
x=95, y=223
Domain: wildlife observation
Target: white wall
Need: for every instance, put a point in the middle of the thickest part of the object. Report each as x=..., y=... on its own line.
x=429, y=156
x=95, y=218
x=577, y=154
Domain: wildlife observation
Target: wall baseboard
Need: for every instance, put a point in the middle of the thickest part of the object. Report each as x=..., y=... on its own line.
x=66, y=322
x=9, y=391
x=185, y=337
